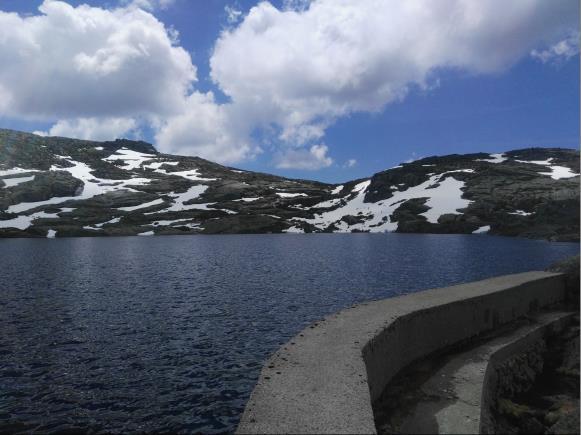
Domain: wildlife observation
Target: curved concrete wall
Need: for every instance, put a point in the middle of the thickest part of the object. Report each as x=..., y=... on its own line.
x=325, y=379
x=509, y=370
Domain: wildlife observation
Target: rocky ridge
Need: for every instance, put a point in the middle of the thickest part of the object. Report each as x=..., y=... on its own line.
x=53, y=186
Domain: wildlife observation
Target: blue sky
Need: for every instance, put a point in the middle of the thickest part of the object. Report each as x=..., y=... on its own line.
x=455, y=104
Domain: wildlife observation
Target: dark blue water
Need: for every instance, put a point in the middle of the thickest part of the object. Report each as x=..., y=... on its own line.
x=169, y=333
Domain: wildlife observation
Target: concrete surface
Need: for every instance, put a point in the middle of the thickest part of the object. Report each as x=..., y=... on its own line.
x=325, y=378
x=450, y=401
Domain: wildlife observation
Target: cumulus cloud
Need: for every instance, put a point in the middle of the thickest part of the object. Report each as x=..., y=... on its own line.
x=289, y=73
x=308, y=159
x=88, y=62
x=208, y=130
x=309, y=65
x=101, y=73
x=92, y=128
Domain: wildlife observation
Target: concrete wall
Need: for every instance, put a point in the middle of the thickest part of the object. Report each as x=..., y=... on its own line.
x=325, y=379
x=513, y=367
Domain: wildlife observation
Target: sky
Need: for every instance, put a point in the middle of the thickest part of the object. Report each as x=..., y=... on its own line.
x=331, y=90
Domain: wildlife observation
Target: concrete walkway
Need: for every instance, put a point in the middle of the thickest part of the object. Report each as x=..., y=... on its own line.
x=325, y=379
x=453, y=398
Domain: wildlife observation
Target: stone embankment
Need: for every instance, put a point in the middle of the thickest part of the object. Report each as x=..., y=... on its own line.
x=331, y=376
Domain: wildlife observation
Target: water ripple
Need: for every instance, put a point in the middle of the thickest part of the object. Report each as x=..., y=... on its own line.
x=169, y=334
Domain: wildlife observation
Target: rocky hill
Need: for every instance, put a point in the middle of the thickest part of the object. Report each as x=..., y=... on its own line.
x=52, y=186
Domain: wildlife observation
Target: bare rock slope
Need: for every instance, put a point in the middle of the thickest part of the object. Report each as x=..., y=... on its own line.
x=53, y=186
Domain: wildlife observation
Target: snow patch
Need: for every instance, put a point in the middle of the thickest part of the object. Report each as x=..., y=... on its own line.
x=10, y=182
x=144, y=205
x=91, y=187
x=147, y=233
x=290, y=195
x=482, y=230
x=13, y=171
x=537, y=162
x=469, y=171
x=336, y=190
x=247, y=199
x=23, y=222
x=494, y=158
x=112, y=221
x=521, y=213
x=179, y=199
x=327, y=204
x=557, y=172
x=132, y=159
x=295, y=230
x=168, y=223
x=51, y=234
x=190, y=174
x=190, y=194
x=100, y=226
x=445, y=198
x=181, y=222
x=157, y=165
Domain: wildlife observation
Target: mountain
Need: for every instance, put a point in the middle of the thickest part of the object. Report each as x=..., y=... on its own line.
x=53, y=186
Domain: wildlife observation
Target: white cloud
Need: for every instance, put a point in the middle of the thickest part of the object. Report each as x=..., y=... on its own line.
x=292, y=72
x=100, y=74
x=85, y=62
x=148, y=5
x=562, y=50
x=208, y=130
x=296, y=5
x=306, y=67
x=350, y=163
x=92, y=128
x=233, y=15
x=307, y=159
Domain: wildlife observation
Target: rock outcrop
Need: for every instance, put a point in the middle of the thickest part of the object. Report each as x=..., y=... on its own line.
x=123, y=187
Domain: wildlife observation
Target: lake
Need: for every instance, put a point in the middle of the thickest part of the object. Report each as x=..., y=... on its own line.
x=170, y=333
